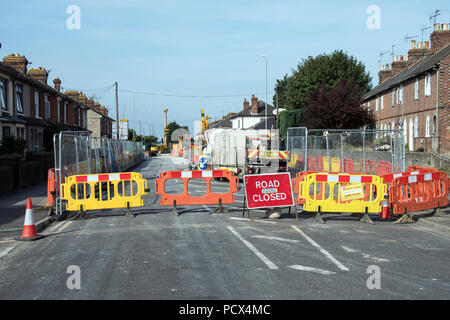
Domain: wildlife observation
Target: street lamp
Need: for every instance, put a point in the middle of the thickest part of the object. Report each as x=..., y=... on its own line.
x=265, y=57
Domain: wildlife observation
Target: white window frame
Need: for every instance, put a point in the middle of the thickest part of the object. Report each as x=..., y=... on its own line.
x=376, y=103
x=416, y=89
x=4, y=94
x=427, y=126
x=19, y=98
x=382, y=102
x=416, y=127
x=65, y=112
x=400, y=95
x=36, y=105
x=428, y=84
x=47, y=106
x=393, y=97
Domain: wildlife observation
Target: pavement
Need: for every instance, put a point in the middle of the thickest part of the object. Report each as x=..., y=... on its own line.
x=203, y=256
x=13, y=206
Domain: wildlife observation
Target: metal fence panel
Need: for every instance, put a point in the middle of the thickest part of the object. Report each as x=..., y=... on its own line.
x=357, y=151
x=78, y=153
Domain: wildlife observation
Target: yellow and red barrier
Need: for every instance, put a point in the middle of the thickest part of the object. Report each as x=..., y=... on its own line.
x=104, y=191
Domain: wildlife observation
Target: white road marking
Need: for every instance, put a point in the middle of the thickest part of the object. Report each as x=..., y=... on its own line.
x=63, y=226
x=244, y=219
x=276, y=238
x=6, y=251
x=315, y=270
x=323, y=251
x=269, y=263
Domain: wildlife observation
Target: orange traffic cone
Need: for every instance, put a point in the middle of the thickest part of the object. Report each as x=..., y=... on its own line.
x=29, y=229
x=385, y=212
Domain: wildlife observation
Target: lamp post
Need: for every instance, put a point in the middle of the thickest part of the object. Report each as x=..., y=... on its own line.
x=265, y=102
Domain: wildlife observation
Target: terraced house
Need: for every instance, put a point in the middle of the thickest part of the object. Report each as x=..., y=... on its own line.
x=413, y=94
x=28, y=105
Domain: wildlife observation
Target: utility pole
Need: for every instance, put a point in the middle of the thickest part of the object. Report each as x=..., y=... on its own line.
x=276, y=117
x=117, y=111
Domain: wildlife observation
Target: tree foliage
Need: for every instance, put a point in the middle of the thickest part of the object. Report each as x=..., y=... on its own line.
x=288, y=118
x=336, y=108
x=311, y=73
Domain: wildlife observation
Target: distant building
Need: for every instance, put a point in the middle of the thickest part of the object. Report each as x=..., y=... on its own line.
x=413, y=94
x=250, y=117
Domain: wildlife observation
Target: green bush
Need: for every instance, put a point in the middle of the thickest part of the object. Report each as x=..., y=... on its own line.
x=12, y=145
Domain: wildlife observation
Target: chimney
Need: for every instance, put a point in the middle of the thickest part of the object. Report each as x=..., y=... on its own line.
x=254, y=104
x=73, y=94
x=16, y=61
x=246, y=104
x=416, y=52
x=440, y=37
x=82, y=98
x=384, y=74
x=39, y=74
x=398, y=65
x=57, y=83
x=90, y=102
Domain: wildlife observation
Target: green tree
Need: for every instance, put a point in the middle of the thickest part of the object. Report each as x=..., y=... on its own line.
x=294, y=90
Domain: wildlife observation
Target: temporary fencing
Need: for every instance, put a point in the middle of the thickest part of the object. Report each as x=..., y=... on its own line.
x=370, y=150
x=76, y=153
x=185, y=198
x=104, y=191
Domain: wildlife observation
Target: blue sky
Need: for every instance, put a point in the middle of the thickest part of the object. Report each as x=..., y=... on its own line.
x=198, y=48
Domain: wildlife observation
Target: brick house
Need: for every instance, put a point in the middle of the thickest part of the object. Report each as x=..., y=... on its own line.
x=413, y=94
x=28, y=105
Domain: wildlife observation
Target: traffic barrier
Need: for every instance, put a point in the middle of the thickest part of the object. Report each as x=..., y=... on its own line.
x=371, y=167
x=418, y=192
x=426, y=169
x=29, y=232
x=325, y=164
x=209, y=198
x=349, y=166
x=384, y=168
x=335, y=165
x=104, y=191
x=351, y=193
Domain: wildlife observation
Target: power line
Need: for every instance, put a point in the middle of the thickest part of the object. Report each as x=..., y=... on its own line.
x=189, y=96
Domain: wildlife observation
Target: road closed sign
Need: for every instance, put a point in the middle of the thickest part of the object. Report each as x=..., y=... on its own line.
x=268, y=190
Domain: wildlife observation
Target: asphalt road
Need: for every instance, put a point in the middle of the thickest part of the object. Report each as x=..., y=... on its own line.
x=158, y=255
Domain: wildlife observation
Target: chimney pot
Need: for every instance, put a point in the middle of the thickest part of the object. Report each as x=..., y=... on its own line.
x=419, y=45
x=445, y=26
x=57, y=83
x=413, y=44
x=437, y=27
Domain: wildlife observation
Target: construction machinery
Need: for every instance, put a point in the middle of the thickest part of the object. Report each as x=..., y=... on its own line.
x=164, y=146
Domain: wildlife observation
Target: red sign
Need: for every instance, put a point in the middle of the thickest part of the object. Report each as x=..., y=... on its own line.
x=268, y=190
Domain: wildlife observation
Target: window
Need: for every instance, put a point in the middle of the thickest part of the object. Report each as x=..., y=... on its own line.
x=74, y=115
x=382, y=102
x=79, y=117
x=427, y=126
x=416, y=89
x=3, y=100
x=19, y=98
x=393, y=125
x=20, y=133
x=400, y=95
x=59, y=111
x=428, y=84
x=65, y=112
x=368, y=106
x=47, y=107
x=36, y=104
x=376, y=104
x=416, y=127
x=6, y=131
x=393, y=97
